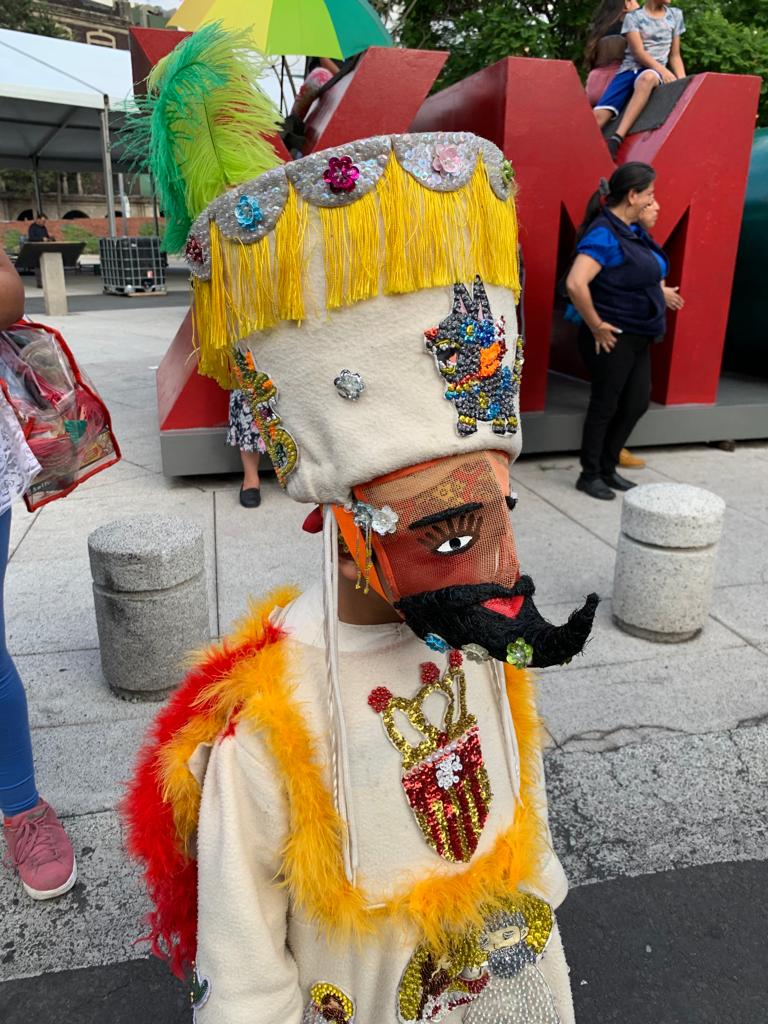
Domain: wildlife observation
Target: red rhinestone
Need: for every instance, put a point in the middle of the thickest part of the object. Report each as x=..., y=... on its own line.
x=430, y=673
x=379, y=699
x=456, y=659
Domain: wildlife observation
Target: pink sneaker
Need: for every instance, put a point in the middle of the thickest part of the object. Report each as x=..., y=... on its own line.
x=40, y=851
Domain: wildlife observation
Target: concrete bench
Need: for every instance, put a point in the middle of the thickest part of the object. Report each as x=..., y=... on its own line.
x=151, y=601
x=665, y=560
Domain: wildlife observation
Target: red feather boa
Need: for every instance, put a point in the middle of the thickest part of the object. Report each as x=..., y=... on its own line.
x=170, y=874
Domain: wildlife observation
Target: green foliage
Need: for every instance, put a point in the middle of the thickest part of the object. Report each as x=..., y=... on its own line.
x=73, y=233
x=21, y=183
x=715, y=42
x=147, y=230
x=12, y=241
x=26, y=16
x=721, y=35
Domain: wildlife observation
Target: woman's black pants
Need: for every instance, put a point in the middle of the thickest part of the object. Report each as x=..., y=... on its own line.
x=619, y=395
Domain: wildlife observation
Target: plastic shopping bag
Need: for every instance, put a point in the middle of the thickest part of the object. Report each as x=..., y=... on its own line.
x=65, y=422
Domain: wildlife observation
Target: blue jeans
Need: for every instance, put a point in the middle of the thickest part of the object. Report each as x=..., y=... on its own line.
x=17, y=772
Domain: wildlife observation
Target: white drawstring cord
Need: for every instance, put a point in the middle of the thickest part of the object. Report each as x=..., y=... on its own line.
x=342, y=789
x=510, y=736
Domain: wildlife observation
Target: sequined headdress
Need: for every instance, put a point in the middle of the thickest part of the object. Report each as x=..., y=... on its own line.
x=372, y=291
x=364, y=297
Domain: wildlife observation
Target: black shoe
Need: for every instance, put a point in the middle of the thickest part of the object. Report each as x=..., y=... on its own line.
x=250, y=497
x=594, y=488
x=614, y=144
x=618, y=483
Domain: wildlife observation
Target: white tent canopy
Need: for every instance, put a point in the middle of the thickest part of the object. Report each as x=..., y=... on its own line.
x=53, y=94
x=58, y=102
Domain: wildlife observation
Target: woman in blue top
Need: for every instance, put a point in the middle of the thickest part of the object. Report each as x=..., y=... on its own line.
x=615, y=286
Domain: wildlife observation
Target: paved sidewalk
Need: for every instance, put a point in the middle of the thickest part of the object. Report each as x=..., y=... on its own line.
x=657, y=770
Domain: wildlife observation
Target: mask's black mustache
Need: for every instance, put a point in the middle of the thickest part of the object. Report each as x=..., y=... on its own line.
x=457, y=615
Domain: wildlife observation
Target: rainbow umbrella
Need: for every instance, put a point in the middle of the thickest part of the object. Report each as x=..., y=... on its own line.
x=322, y=28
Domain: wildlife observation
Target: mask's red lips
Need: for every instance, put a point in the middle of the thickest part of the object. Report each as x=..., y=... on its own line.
x=509, y=607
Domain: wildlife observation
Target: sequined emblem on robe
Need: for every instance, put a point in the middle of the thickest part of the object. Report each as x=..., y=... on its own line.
x=491, y=970
x=444, y=776
x=328, y=1005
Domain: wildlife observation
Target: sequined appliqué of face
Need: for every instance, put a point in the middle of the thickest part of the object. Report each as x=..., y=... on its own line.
x=490, y=970
x=469, y=348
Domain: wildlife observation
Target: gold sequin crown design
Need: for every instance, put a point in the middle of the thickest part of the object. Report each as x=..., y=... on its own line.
x=456, y=719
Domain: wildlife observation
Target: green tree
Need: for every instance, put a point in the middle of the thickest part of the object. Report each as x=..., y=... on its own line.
x=731, y=38
x=28, y=16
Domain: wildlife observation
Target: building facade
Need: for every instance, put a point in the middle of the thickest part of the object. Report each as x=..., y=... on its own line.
x=104, y=22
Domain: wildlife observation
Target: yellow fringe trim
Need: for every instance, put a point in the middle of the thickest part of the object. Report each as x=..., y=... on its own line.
x=398, y=238
x=437, y=906
x=290, y=257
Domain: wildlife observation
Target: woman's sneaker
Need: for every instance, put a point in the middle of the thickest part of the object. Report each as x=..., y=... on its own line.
x=41, y=853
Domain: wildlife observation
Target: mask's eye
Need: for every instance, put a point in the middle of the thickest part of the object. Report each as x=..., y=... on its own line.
x=454, y=545
x=511, y=500
x=453, y=535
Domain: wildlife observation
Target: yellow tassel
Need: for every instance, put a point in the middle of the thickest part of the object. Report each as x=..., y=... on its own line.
x=493, y=233
x=290, y=257
x=364, y=233
x=352, y=243
x=253, y=293
x=424, y=239
x=213, y=329
x=336, y=252
x=397, y=227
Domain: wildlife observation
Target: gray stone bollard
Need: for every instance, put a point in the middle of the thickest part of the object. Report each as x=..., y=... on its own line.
x=151, y=601
x=665, y=560
x=54, y=284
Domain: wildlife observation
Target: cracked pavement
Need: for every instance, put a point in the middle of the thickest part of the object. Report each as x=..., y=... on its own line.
x=657, y=769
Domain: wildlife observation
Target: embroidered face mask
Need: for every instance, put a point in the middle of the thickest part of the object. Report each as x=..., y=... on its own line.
x=451, y=567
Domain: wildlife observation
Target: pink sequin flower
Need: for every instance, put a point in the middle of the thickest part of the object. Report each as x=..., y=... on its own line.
x=341, y=175
x=447, y=159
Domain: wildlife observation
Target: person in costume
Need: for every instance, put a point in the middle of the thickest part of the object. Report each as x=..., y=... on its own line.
x=341, y=812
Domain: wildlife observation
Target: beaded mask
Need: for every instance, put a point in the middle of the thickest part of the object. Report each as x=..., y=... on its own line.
x=450, y=565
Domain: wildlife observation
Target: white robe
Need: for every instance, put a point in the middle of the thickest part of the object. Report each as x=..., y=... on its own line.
x=258, y=954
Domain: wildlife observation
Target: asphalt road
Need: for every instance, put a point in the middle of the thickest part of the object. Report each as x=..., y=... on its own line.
x=679, y=947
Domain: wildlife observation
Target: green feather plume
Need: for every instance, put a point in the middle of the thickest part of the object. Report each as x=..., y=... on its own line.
x=201, y=128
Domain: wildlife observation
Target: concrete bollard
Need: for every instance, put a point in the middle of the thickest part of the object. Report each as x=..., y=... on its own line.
x=151, y=601
x=665, y=561
x=54, y=284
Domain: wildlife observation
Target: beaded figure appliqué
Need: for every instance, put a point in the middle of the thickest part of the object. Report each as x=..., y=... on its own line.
x=491, y=970
x=469, y=349
x=261, y=392
x=328, y=1005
